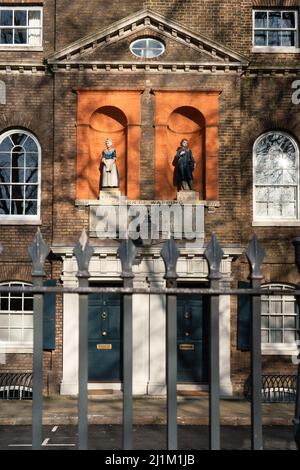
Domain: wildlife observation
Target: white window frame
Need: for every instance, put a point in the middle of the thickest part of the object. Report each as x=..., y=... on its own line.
x=132, y=45
x=275, y=221
x=16, y=219
x=17, y=347
x=276, y=49
x=24, y=47
x=281, y=349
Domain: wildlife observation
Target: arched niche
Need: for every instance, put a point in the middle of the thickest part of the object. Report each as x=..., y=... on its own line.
x=186, y=122
x=108, y=121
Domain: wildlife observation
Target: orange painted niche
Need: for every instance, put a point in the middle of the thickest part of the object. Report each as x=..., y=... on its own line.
x=102, y=114
x=191, y=115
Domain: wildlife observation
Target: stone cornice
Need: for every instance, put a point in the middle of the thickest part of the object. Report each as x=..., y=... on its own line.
x=156, y=22
x=21, y=67
x=120, y=66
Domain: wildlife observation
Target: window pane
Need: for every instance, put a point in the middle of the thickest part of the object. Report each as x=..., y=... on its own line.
x=31, y=208
x=260, y=38
x=6, y=17
x=28, y=335
x=265, y=306
x=274, y=210
x=4, y=159
x=3, y=334
x=31, y=175
x=265, y=336
x=17, y=176
x=16, y=304
x=17, y=191
x=18, y=138
x=6, y=145
x=276, y=322
x=274, y=38
x=31, y=192
x=31, y=160
x=288, y=38
x=4, y=177
x=265, y=322
x=289, y=336
x=16, y=321
x=28, y=304
x=289, y=306
x=274, y=19
x=4, y=303
x=261, y=19
x=34, y=37
x=6, y=36
x=5, y=190
x=16, y=335
x=28, y=321
x=20, y=18
x=20, y=36
x=30, y=145
x=34, y=18
x=4, y=319
x=289, y=322
x=16, y=207
x=289, y=209
x=4, y=207
x=276, y=306
x=276, y=336
x=288, y=19
x=261, y=209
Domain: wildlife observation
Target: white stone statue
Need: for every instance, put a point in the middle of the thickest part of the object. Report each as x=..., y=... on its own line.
x=108, y=167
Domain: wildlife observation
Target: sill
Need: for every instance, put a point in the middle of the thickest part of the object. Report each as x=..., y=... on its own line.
x=275, y=50
x=6, y=220
x=276, y=223
x=18, y=348
x=15, y=48
x=279, y=350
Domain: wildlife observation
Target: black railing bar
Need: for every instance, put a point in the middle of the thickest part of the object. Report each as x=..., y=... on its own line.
x=152, y=290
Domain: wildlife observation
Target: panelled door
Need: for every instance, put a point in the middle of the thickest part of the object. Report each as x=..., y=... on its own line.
x=105, y=337
x=192, y=339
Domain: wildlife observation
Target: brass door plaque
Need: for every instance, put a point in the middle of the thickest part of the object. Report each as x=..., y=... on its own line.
x=104, y=346
x=187, y=347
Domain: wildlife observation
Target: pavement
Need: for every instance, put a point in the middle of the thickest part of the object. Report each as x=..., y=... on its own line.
x=107, y=409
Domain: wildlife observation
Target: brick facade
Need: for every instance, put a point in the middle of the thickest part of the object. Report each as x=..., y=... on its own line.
x=252, y=100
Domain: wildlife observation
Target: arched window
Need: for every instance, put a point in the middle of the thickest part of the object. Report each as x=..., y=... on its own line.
x=16, y=319
x=276, y=177
x=20, y=163
x=279, y=319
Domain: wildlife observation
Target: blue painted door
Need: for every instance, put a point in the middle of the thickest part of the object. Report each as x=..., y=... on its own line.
x=192, y=339
x=104, y=337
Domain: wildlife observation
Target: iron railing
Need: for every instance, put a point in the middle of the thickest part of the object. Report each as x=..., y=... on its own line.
x=127, y=253
x=275, y=388
x=16, y=386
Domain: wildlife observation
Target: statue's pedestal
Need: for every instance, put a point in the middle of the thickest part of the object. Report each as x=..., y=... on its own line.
x=186, y=196
x=110, y=196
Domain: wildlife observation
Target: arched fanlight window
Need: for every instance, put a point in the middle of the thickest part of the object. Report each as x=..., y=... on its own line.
x=20, y=163
x=276, y=177
x=147, y=48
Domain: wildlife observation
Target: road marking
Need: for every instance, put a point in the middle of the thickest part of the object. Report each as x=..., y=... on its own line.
x=45, y=441
x=19, y=445
x=54, y=429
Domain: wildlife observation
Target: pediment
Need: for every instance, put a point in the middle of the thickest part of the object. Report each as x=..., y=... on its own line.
x=110, y=46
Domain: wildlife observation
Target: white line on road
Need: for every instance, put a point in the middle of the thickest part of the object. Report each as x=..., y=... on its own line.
x=45, y=441
x=54, y=429
x=19, y=445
